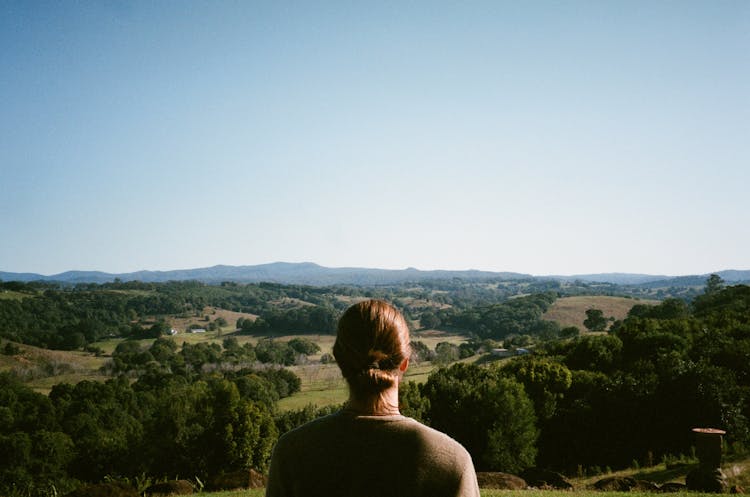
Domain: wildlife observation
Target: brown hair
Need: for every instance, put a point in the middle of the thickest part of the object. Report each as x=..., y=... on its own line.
x=371, y=343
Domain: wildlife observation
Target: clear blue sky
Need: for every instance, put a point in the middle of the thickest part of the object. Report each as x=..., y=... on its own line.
x=551, y=137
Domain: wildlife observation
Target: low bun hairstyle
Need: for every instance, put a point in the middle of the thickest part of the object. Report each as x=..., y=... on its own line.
x=371, y=343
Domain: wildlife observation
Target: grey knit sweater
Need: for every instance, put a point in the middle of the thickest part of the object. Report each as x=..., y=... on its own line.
x=345, y=455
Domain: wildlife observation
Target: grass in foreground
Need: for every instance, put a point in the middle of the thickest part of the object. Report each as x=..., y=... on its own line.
x=737, y=472
x=259, y=492
x=256, y=492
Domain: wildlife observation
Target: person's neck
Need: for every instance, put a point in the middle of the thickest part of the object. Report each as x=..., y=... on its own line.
x=385, y=404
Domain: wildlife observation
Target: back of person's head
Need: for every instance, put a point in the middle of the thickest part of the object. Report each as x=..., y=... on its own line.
x=371, y=343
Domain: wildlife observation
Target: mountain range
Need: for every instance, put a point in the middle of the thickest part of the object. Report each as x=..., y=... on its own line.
x=308, y=273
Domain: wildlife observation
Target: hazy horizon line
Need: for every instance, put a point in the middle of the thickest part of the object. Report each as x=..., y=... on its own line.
x=366, y=267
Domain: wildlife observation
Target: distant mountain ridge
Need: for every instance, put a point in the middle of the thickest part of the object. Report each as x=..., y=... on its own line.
x=618, y=278
x=308, y=273
x=731, y=276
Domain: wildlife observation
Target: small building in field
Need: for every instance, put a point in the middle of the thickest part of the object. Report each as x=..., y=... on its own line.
x=501, y=353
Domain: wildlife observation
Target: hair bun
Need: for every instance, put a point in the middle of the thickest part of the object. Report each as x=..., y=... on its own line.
x=385, y=364
x=372, y=340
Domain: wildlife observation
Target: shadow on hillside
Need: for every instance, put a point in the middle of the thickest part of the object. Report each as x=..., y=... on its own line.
x=487, y=359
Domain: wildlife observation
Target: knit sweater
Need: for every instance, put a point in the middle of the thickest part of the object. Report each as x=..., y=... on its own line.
x=346, y=455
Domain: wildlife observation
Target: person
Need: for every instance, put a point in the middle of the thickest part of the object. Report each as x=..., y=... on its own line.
x=368, y=448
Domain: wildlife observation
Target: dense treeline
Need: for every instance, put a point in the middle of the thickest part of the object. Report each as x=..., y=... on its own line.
x=72, y=317
x=69, y=317
x=296, y=320
x=175, y=419
x=192, y=360
x=605, y=400
x=518, y=316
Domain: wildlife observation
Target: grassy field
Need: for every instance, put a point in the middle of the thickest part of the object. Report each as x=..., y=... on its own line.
x=40, y=369
x=323, y=385
x=254, y=492
x=433, y=337
x=181, y=323
x=11, y=295
x=571, y=311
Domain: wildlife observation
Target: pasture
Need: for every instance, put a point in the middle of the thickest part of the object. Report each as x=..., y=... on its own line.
x=323, y=385
x=181, y=323
x=41, y=369
x=12, y=295
x=571, y=311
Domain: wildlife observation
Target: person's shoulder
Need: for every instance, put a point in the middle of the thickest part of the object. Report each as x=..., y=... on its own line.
x=438, y=440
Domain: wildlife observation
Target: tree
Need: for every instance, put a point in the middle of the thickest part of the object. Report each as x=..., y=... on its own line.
x=595, y=320
x=258, y=389
x=303, y=346
x=714, y=283
x=446, y=353
x=429, y=320
x=205, y=428
x=594, y=353
x=668, y=309
x=157, y=329
x=420, y=352
x=230, y=344
x=467, y=349
x=163, y=350
x=544, y=380
x=130, y=355
x=102, y=421
x=569, y=332
x=274, y=352
x=11, y=349
x=74, y=341
x=488, y=413
x=34, y=453
x=411, y=402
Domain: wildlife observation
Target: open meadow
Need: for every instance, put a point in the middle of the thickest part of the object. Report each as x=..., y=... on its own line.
x=571, y=311
x=323, y=385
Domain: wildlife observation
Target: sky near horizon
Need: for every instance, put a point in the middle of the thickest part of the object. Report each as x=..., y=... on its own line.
x=540, y=137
